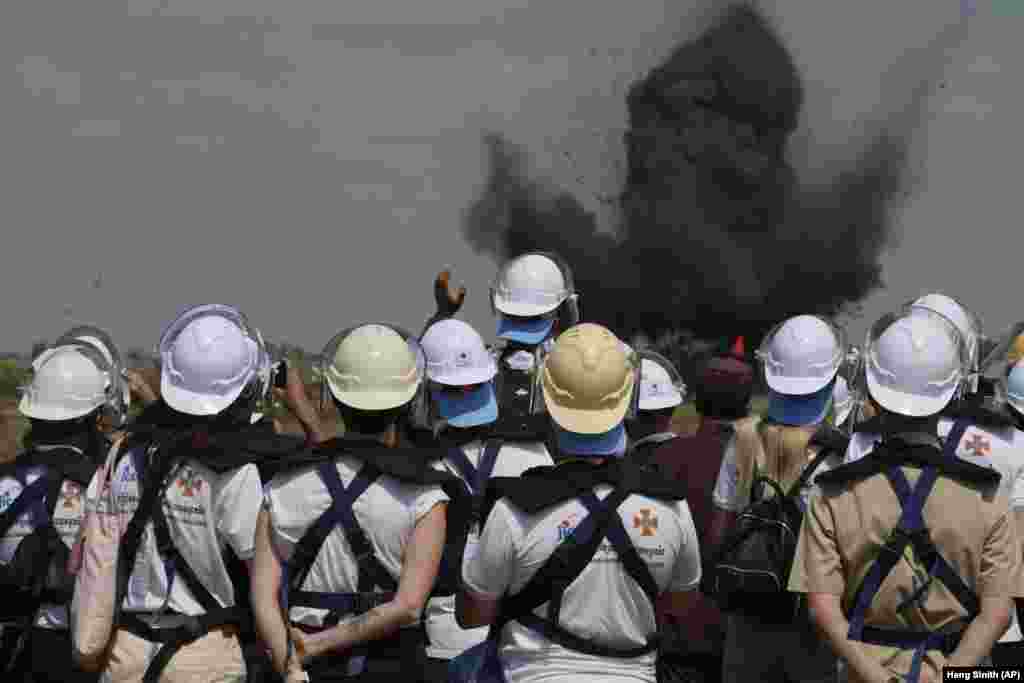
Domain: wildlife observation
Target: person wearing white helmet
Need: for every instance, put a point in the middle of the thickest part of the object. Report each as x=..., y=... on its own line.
x=571, y=562
x=909, y=554
x=659, y=392
x=969, y=327
x=350, y=541
x=131, y=381
x=790, y=447
x=72, y=389
x=193, y=511
x=460, y=373
x=991, y=436
x=534, y=299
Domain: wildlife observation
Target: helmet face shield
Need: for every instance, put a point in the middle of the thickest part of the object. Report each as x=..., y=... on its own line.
x=99, y=338
x=259, y=371
x=966, y=322
x=73, y=396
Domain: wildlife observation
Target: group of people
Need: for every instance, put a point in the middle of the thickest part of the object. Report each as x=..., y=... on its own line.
x=523, y=513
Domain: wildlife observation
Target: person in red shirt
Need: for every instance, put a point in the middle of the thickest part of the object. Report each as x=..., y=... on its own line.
x=722, y=392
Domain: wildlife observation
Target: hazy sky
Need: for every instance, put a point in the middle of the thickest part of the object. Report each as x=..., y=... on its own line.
x=309, y=161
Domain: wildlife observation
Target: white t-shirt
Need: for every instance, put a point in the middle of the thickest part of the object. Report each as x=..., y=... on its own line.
x=67, y=519
x=603, y=604
x=1001, y=450
x=204, y=511
x=387, y=512
x=446, y=639
x=725, y=495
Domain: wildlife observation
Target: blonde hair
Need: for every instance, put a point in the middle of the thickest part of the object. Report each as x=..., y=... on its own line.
x=780, y=453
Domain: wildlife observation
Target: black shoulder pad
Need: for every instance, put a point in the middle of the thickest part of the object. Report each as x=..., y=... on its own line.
x=830, y=438
x=887, y=455
x=872, y=425
x=984, y=414
x=407, y=464
x=70, y=462
x=541, y=487
x=521, y=428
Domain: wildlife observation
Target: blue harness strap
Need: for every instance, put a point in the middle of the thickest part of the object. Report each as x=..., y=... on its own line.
x=30, y=500
x=911, y=531
x=476, y=477
x=371, y=573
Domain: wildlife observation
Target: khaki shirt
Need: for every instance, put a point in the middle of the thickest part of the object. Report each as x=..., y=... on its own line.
x=845, y=527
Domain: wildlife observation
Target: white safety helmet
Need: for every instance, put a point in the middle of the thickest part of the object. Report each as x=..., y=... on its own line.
x=660, y=384
x=456, y=354
x=802, y=354
x=104, y=343
x=68, y=382
x=373, y=367
x=914, y=362
x=531, y=285
x=965, y=322
x=210, y=355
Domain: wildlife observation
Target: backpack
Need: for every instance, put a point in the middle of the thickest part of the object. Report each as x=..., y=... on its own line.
x=749, y=572
x=38, y=571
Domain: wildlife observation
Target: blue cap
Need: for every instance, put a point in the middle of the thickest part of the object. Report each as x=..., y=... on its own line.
x=612, y=442
x=469, y=409
x=529, y=331
x=800, y=410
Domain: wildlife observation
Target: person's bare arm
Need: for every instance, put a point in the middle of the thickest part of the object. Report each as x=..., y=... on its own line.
x=983, y=632
x=827, y=614
x=265, y=585
x=419, y=571
x=295, y=398
x=140, y=387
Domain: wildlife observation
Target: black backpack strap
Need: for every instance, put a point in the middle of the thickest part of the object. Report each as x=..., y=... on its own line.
x=562, y=568
x=371, y=572
x=911, y=531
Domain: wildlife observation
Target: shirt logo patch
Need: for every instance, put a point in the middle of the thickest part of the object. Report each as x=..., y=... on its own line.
x=646, y=521
x=978, y=445
x=566, y=528
x=189, y=482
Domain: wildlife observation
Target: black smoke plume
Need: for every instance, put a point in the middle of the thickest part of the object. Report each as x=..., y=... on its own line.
x=718, y=236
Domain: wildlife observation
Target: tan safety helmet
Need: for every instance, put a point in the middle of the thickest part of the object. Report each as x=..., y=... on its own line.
x=587, y=380
x=373, y=368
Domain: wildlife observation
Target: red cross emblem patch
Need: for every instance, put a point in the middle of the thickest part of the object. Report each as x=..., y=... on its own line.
x=189, y=483
x=977, y=444
x=646, y=521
